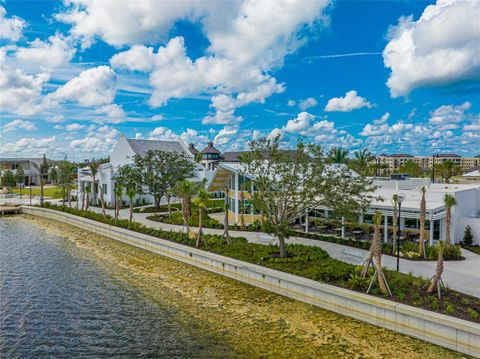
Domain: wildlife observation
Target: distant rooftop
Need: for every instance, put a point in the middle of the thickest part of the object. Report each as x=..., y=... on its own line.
x=400, y=155
x=140, y=147
x=210, y=149
x=448, y=155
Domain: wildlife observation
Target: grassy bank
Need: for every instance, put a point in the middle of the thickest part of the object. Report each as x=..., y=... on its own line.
x=313, y=263
x=48, y=191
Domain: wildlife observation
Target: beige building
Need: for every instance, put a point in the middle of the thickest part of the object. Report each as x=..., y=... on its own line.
x=395, y=161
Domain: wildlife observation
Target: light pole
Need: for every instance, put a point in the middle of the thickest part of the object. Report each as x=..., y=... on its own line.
x=401, y=197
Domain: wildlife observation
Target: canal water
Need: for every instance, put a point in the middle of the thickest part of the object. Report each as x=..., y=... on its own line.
x=66, y=293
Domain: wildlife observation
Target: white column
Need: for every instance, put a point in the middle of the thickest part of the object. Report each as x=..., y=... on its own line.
x=385, y=228
x=236, y=198
x=343, y=227
x=361, y=218
x=325, y=212
x=306, y=220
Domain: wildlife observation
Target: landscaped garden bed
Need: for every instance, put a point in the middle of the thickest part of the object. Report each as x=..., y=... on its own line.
x=408, y=250
x=313, y=263
x=214, y=205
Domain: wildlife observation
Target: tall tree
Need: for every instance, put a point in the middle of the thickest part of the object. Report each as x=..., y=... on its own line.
x=8, y=179
x=423, y=209
x=20, y=178
x=447, y=169
x=202, y=202
x=65, y=178
x=102, y=200
x=53, y=175
x=412, y=169
x=42, y=169
x=130, y=179
x=186, y=190
x=338, y=155
x=362, y=160
x=287, y=183
x=161, y=170
x=449, y=202
x=131, y=193
x=94, y=171
x=376, y=253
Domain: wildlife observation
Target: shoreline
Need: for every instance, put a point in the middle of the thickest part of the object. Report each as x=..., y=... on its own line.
x=223, y=306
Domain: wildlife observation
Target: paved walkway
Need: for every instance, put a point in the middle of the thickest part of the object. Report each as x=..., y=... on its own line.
x=463, y=276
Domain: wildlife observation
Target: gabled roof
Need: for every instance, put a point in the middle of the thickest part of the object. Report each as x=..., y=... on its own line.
x=140, y=147
x=210, y=149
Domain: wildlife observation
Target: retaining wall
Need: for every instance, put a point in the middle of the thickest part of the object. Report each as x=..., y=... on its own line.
x=449, y=332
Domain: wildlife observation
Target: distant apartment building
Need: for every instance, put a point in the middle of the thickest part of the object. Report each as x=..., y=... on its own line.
x=395, y=161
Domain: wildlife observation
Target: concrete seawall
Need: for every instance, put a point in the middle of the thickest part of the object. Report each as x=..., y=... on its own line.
x=446, y=331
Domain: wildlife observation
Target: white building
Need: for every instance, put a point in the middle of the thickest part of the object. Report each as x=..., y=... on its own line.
x=121, y=155
x=466, y=212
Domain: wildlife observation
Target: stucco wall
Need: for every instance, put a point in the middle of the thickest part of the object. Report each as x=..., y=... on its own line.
x=448, y=332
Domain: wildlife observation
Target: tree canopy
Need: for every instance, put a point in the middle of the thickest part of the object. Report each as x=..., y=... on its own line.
x=289, y=183
x=412, y=169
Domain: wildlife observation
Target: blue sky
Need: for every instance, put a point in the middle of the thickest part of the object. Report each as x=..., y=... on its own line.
x=393, y=76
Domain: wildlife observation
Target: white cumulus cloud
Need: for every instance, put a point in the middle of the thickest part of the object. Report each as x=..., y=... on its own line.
x=19, y=124
x=440, y=48
x=10, y=28
x=351, y=101
x=307, y=103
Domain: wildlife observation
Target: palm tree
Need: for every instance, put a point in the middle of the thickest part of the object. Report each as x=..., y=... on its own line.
x=376, y=253
x=94, y=171
x=423, y=208
x=43, y=172
x=242, y=207
x=449, y=202
x=102, y=200
x=337, y=155
x=362, y=160
x=87, y=191
x=201, y=201
x=438, y=270
x=131, y=193
x=226, y=233
x=395, y=222
x=186, y=190
x=118, y=190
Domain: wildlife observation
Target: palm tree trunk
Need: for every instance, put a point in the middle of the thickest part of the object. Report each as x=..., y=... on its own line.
x=226, y=233
x=69, y=198
x=185, y=214
x=200, y=226
x=448, y=222
x=94, y=192
x=102, y=201
x=117, y=207
x=394, y=229
x=131, y=211
x=438, y=272
x=242, y=216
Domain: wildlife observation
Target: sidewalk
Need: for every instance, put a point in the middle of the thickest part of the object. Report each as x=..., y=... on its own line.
x=463, y=276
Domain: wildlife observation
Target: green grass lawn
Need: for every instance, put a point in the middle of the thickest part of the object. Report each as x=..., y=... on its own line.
x=50, y=191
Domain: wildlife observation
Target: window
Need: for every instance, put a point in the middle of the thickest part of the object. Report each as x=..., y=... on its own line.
x=104, y=188
x=14, y=166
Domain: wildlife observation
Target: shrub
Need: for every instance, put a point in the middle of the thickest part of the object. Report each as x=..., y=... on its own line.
x=472, y=313
x=468, y=236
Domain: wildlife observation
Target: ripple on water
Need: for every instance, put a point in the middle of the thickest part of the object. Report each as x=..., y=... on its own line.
x=59, y=300
x=114, y=299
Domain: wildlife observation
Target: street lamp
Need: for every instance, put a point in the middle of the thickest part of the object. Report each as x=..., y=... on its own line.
x=401, y=197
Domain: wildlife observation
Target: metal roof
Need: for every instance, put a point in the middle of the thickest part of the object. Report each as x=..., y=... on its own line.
x=140, y=147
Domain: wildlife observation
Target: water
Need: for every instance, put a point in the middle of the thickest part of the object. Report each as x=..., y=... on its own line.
x=57, y=300
x=69, y=293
